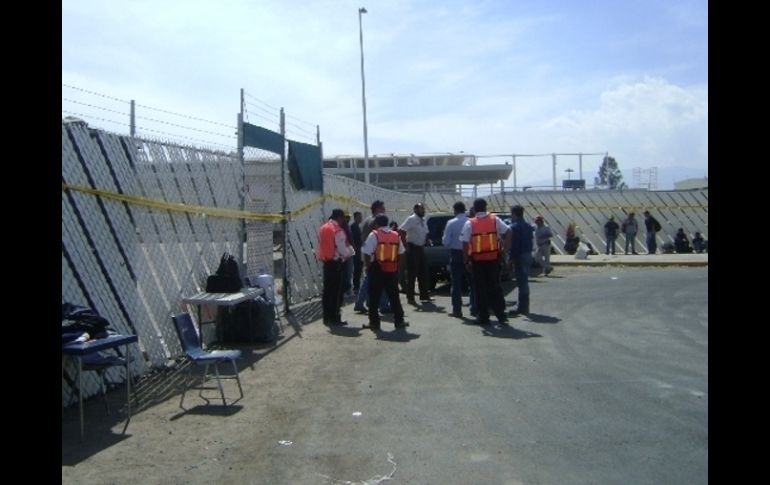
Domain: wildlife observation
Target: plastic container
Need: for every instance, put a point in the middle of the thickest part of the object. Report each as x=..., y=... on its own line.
x=267, y=283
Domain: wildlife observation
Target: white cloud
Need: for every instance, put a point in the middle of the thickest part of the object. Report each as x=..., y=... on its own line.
x=485, y=77
x=647, y=123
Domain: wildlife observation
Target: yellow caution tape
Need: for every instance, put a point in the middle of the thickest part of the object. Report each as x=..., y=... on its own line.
x=176, y=206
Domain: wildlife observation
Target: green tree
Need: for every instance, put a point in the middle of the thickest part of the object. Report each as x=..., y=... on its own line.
x=610, y=175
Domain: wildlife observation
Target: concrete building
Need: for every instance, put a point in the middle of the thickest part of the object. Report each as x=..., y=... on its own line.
x=433, y=172
x=692, y=184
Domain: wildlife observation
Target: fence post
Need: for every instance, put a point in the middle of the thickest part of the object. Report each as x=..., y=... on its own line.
x=132, y=119
x=241, y=158
x=284, y=222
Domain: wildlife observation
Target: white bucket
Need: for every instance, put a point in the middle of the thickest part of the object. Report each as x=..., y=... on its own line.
x=267, y=283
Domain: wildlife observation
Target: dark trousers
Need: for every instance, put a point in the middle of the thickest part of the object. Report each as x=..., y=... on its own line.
x=416, y=267
x=521, y=267
x=457, y=268
x=332, y=291
x=347, y=276
x=358, y=267
x=489, y=293
x=631, y=240
x=380, y=281
x=611, y=244
x=652, y=243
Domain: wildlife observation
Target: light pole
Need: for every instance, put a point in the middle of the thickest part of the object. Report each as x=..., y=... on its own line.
x=362, y=10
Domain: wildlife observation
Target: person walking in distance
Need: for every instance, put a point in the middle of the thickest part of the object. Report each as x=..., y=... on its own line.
x=520, y=251
x=543, y=237
x=653, y=227
x=630, y=228
x=451, y=240
x=382, y=251
x=415, y=231
x=611, y=229
x=333, y=250
x=482, y=236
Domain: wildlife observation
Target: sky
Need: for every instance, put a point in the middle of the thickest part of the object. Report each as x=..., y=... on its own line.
x=495, y=77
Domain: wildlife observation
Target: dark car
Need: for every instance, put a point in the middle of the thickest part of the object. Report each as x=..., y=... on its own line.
x=437, y=255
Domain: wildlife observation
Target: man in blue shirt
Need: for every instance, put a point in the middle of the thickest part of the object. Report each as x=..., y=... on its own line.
x=520, y=252
x=451, y=240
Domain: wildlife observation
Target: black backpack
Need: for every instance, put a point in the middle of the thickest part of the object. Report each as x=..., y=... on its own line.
x=76, y=318
x=227, y=279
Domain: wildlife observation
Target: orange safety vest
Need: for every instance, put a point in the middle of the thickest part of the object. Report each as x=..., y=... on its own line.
x=386, y=252
x=484, y=244
x=326, y=243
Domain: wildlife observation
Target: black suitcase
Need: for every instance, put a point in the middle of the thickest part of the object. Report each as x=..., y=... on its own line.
x=250, y=321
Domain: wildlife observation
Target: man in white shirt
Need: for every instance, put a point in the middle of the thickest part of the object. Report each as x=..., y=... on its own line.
x=415, y=231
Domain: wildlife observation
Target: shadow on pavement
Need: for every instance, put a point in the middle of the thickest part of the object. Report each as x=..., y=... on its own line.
x=505, y=331
x=94, y=442
x=345, y=331
x=208, y=410
x=397, y=335
x=537, y=318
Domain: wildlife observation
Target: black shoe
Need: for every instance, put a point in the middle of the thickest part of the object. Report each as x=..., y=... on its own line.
x=427, y=298
x=411, y=301
x=502, y=319
x=403, y=324
x=386, y=311
x=373, y=328
x=335, y=323
x=483, y=323
x=360, y=309
x=474, y=313
x=456, y=314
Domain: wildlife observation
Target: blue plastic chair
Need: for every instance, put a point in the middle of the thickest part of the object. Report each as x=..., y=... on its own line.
x=195, y=354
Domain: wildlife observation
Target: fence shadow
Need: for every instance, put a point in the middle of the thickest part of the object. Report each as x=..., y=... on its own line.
x=303, y=314
x=154, y=387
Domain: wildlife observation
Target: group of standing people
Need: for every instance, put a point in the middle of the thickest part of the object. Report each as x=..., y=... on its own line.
x=629, y=227
x=373, y=249
x=479, y=243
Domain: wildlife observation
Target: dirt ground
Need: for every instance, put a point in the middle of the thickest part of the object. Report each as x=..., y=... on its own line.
x=209, y=443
